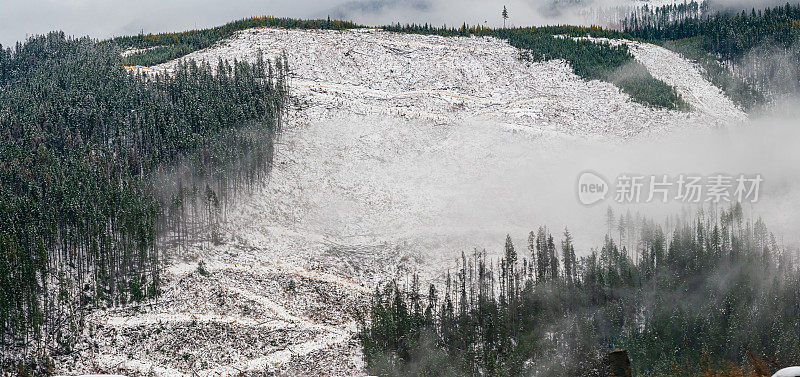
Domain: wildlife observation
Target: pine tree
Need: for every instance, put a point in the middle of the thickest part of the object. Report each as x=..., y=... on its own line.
x=542, y=256
x=533, y=266
x=83, y=215
x=611, y=302
x=552, y=257
x=568, y=256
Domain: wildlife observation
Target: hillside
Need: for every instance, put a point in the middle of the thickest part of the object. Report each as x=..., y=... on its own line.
x=398, y=150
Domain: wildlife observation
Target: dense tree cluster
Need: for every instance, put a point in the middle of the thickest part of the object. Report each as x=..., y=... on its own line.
x=692, y=292
x=589, y=59
x=598, y=61
x=663, y=16
x=734, y=87
x=729, y=34
x=100, y=167
x=163, y=47
x=760, y=45
x=466, y=30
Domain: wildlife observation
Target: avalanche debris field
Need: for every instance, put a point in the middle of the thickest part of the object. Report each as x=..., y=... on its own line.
x=400, y=152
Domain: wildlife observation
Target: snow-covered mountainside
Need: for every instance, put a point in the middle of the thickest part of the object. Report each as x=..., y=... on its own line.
x=400, y=152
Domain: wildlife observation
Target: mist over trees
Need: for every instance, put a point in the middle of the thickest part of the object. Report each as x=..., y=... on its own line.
x=759, y=45
x=101, y=170
x=589, y=59
x=693, y=295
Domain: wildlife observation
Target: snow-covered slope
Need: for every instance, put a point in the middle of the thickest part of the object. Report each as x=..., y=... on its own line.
x=401, y=151
x=684, y=75
x=484, y=76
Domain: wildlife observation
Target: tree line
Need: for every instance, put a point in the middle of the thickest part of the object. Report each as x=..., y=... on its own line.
x=101, y=170
x=759, y=45
x=707, y=294
x=591, y=60
x=163, y=47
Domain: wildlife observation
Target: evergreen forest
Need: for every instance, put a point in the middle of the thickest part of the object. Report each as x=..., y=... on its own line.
x=709, y=295
x=102, y=170
x=760, y=46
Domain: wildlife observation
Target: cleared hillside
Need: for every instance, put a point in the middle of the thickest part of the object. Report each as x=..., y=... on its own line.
x=399, y=150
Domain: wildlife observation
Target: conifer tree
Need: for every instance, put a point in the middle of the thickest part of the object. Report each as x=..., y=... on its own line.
x=568, y=256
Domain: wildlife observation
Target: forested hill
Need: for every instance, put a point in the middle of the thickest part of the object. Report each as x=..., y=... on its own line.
x=163, y=47
x=590, y=60
x=100, y=169
x=705, y=296
x=103, y=168
x=759, y=45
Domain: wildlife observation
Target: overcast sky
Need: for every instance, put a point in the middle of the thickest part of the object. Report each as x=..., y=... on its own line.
x=106, y=18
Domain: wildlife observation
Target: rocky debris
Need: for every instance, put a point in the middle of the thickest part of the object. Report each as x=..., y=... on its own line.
x=400, y=152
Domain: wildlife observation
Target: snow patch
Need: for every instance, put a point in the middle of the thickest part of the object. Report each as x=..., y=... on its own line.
x=400, y=152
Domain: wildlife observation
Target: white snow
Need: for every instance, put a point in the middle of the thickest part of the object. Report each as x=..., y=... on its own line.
x=788, y=372
x=684, y=75
x=132, y=51
x=656, y=3
x=400, y=152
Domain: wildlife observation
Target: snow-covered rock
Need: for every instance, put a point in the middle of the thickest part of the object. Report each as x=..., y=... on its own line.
x=788, y=372
x=400, y=151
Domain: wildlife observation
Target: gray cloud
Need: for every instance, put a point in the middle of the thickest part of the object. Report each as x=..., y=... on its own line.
x=559, y=8
x=372, y=7
x=737, y=5
x=103, y=19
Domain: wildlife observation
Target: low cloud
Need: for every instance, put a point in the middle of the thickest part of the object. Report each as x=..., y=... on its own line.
x=376, y=7
x=738, y=5
x=103, y=19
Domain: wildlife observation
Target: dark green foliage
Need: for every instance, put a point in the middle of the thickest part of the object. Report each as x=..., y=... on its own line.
x=598, y=61
x=740, y=92
x=164, y=47
x=98, y=165
x=707, y=289
x=760, y=46
x=635, y=80
x=729, y=34
x=477, y=30
x=398, y=342
x=589, y=60
x=469, y=330
x=34, y=366
x=156, y=55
